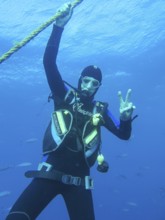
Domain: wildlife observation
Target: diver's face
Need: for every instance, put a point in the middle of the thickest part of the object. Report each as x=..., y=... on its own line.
x=89, y=85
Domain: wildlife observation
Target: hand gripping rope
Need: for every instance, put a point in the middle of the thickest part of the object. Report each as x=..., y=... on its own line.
x=34, y=34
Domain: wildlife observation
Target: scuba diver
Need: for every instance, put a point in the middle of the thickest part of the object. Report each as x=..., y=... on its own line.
x=72, y=141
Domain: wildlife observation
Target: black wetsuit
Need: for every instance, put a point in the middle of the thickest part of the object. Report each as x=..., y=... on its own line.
x=67, y=158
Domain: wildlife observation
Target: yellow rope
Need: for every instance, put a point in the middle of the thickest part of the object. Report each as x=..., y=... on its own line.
x=34, y=34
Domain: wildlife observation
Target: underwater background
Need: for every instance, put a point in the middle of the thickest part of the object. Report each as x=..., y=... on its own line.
x=126, y=39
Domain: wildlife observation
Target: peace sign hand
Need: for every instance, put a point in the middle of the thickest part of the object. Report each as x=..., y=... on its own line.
x=126, y=107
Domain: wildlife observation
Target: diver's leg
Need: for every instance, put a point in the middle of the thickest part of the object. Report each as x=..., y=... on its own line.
x=79, y=203
x=33, y=200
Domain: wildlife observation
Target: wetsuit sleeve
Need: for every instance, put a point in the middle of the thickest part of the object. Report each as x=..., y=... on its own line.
x=121, y=129
x=52, y=73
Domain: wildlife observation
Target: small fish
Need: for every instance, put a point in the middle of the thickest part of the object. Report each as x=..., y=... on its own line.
x=125, y=210
x=122, y=73
x=5, y=168
x=31, y=140
x=122, y=176
x=100, y=205
x=139, y=174
x=116, y=191
x=4, y=193
x=24, y=164
x=132, y=204
x=122, y=155
x=162, y=189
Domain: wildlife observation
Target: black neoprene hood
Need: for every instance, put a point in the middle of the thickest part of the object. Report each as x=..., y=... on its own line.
x=91, y=71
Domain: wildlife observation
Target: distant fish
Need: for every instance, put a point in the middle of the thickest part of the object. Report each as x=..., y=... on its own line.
x=4, y=193
x=140, y=174
x=31, y=140
x=122, y=155
x=100, y=205
x=24, y=164
x=132, y=204
x=5, y=168
x=125, y=210
x=122, y=176
x=122, y=73
x=162, y=191
x=147, y=167
x=116, y=191
x=144, y=168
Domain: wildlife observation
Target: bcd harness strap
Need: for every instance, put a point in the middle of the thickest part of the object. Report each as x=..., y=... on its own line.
x=46, y=171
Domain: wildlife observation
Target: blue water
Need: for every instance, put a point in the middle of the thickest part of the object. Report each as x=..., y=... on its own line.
x=126, y=39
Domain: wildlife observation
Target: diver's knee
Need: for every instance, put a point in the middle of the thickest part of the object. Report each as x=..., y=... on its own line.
x=18, y=216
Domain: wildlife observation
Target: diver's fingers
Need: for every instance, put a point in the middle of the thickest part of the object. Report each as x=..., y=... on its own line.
x=64, y=10
x=120, y=97
x=128, y=95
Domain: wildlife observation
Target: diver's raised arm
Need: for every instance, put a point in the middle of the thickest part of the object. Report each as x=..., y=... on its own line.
x=53, y=75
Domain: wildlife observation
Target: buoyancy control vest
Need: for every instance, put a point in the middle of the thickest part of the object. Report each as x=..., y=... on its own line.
x=64, y=122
